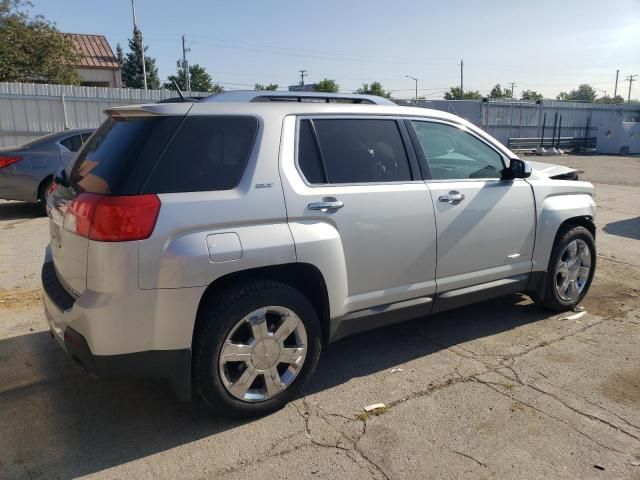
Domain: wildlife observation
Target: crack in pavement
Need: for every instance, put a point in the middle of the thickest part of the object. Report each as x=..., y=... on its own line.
x=587, y=415
x=510, y=358
x=546, y=414
x=352, y=444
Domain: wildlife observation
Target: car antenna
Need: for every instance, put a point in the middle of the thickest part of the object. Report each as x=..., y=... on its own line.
x=179, y=91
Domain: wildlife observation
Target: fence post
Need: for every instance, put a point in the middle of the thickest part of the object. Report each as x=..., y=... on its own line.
x=64, y=112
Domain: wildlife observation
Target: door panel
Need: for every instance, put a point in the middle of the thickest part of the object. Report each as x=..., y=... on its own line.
x=485, y=236
x=486, y=226
x=386, y=230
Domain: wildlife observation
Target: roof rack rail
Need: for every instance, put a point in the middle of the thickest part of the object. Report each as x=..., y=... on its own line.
x=300, y=97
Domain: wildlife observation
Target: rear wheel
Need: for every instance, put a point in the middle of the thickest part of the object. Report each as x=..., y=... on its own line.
x=571, y=268
x=255, y=346
x=42, y=194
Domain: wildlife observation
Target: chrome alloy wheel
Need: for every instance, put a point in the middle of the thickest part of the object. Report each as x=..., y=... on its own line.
x=263, y=354
x=572, y=270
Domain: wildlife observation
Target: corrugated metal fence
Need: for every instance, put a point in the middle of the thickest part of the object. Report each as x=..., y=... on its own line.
x=28, y=110
x=504, y=119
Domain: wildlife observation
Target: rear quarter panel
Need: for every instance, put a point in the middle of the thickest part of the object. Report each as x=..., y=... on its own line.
x=178, y=255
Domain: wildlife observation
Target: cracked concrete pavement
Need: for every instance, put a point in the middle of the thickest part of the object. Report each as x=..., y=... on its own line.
x=501, y=389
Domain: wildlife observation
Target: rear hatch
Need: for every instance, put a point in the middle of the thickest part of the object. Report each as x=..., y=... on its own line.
x=110, y=168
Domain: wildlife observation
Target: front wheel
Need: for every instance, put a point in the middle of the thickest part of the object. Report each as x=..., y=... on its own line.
x=571, y=268
x=255, y=346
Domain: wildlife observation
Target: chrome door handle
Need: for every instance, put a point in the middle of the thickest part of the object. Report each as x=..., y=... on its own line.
x=452, y=197
x=326, y=205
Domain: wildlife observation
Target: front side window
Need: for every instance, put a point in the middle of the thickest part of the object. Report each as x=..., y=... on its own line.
x=340, y=151
x=454, y=154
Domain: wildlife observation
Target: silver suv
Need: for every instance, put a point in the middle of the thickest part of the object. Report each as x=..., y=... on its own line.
x=221, y=243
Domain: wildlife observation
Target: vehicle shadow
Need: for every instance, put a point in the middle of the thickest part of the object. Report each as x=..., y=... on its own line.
x=59, y=422
x=19, y=210
x=629, y=228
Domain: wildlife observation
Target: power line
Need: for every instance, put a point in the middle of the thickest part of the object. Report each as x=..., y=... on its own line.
x=303, y=74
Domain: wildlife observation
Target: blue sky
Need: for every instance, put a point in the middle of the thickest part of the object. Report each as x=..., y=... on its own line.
x=544, y=45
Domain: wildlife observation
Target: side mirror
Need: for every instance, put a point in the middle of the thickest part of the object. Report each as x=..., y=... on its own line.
x=517, y=169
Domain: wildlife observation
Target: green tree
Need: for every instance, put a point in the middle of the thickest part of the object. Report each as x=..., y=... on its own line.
x=32, y=49
x=584, y=93
x=531, y=95
x=498, y=92
x=455, y=93
x=610, y=100
x=119, y=55
x=271, y=86
x=199, y=79
x=132, y=66
x=374, y=89
x=327, y=85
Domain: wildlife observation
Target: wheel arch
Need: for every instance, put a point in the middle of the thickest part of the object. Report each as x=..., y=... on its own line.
x=42, y=184
x=539, y=279
x=304, y=277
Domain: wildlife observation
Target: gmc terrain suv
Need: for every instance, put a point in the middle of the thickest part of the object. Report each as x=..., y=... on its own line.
x=221, y=243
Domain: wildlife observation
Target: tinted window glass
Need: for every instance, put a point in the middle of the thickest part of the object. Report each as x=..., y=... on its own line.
x=453, y=153
x=72, y=143
x=207, y=153
x=85, y=137
x=118, y=157
x=361, y=150
x=308, y=156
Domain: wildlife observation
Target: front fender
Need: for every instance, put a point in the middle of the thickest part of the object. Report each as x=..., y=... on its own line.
x=555, y=208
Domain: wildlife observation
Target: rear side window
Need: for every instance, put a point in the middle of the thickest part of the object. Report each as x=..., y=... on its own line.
x=353, y=151
x=118, y=157
x=72, y=143
x=207, y=153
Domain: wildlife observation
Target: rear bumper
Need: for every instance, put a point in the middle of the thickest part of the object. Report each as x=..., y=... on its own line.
x=15, y=185
x=174, y=365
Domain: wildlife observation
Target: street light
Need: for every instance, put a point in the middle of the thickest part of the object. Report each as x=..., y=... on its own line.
x=415, y=80
x=603, y=91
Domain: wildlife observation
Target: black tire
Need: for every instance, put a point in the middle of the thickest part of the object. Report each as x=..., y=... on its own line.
x=42, y=194
x=566, y=235
x=219, y=315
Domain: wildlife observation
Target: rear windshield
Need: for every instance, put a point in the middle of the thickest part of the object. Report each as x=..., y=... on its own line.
x=161, y=154
x=118, y=157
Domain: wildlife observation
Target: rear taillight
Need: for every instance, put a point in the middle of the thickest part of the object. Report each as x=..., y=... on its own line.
x=112, y=219
x=5, y=161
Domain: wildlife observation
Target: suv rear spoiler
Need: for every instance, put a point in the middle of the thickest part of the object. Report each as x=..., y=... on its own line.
x=147, y=110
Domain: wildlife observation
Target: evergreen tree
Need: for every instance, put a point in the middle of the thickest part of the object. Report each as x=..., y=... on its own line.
x=132, y=66
x=119, y=55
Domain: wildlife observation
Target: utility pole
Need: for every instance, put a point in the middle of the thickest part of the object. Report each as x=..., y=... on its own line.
x=185, y=66
x=415, y=80
x=135, y=27
x=512, y=85
x=462, y=77
x=303, y=74
x=630, y=79
x=615, y=90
